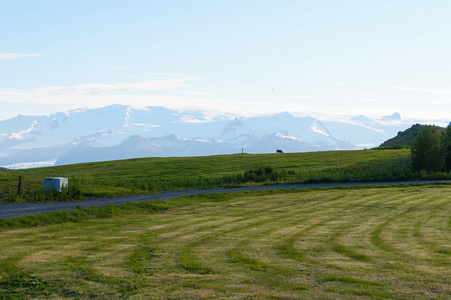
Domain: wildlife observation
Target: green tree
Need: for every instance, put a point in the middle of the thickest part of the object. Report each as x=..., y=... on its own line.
x=426, y=151
x=446, y=146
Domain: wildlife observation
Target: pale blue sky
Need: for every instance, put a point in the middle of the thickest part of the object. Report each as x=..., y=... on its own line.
x=246, y=57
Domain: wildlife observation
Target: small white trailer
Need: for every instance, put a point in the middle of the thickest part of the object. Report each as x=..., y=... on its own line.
x=55, y=183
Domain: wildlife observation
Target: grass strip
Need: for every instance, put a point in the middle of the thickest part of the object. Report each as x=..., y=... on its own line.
x=343, y=250
x=101, y=212
x=347, y=279
x=139, y=258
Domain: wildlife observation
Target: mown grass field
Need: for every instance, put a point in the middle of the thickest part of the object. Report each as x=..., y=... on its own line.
x=149, y=175
x=392, y=243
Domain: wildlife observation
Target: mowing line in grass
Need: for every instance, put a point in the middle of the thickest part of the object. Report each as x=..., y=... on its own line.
x=137, y=255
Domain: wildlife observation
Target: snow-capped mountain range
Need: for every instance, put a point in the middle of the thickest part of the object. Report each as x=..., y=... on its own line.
x=120, y=132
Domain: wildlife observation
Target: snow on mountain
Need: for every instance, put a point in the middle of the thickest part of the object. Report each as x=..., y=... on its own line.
x=30, y=165
x=363, y=131
x=119, y=131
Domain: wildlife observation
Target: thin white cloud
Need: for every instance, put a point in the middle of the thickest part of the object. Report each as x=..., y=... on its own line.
x=18, y=55
x=339, y=84
x=102, y=88
x=423, y=90
x=198, y=93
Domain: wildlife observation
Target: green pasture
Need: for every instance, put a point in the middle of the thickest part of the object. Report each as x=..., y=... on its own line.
x=150, y=175
x=367, y=243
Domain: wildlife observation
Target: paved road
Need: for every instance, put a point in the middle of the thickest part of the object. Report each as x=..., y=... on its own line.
x=16, y=210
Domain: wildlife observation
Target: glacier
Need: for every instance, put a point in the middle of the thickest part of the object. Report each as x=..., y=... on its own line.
x=122, y=131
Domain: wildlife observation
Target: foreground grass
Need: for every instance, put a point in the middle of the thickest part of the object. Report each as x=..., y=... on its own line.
x=148, y=175
x=328, y=244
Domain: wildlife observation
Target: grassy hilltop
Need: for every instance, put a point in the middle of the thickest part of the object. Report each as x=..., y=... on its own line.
x=149, y=175
x=408, y=136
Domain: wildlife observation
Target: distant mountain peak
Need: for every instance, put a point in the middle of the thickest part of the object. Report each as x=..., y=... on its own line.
x=232, y=126
x=362, y=118
x=284, y=114
x=394, y=117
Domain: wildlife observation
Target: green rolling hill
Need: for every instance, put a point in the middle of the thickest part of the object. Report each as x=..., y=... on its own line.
x=406, y=137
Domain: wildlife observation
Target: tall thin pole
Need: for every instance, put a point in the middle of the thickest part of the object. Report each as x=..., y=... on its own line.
x=19, y=185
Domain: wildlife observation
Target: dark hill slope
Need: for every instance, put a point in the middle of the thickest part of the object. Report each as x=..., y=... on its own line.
x=406, y=137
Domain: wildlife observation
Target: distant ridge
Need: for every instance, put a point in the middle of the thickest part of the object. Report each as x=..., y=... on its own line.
x=394, y=117
x=4, y=169
x=406, y=137
x=122, y=131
